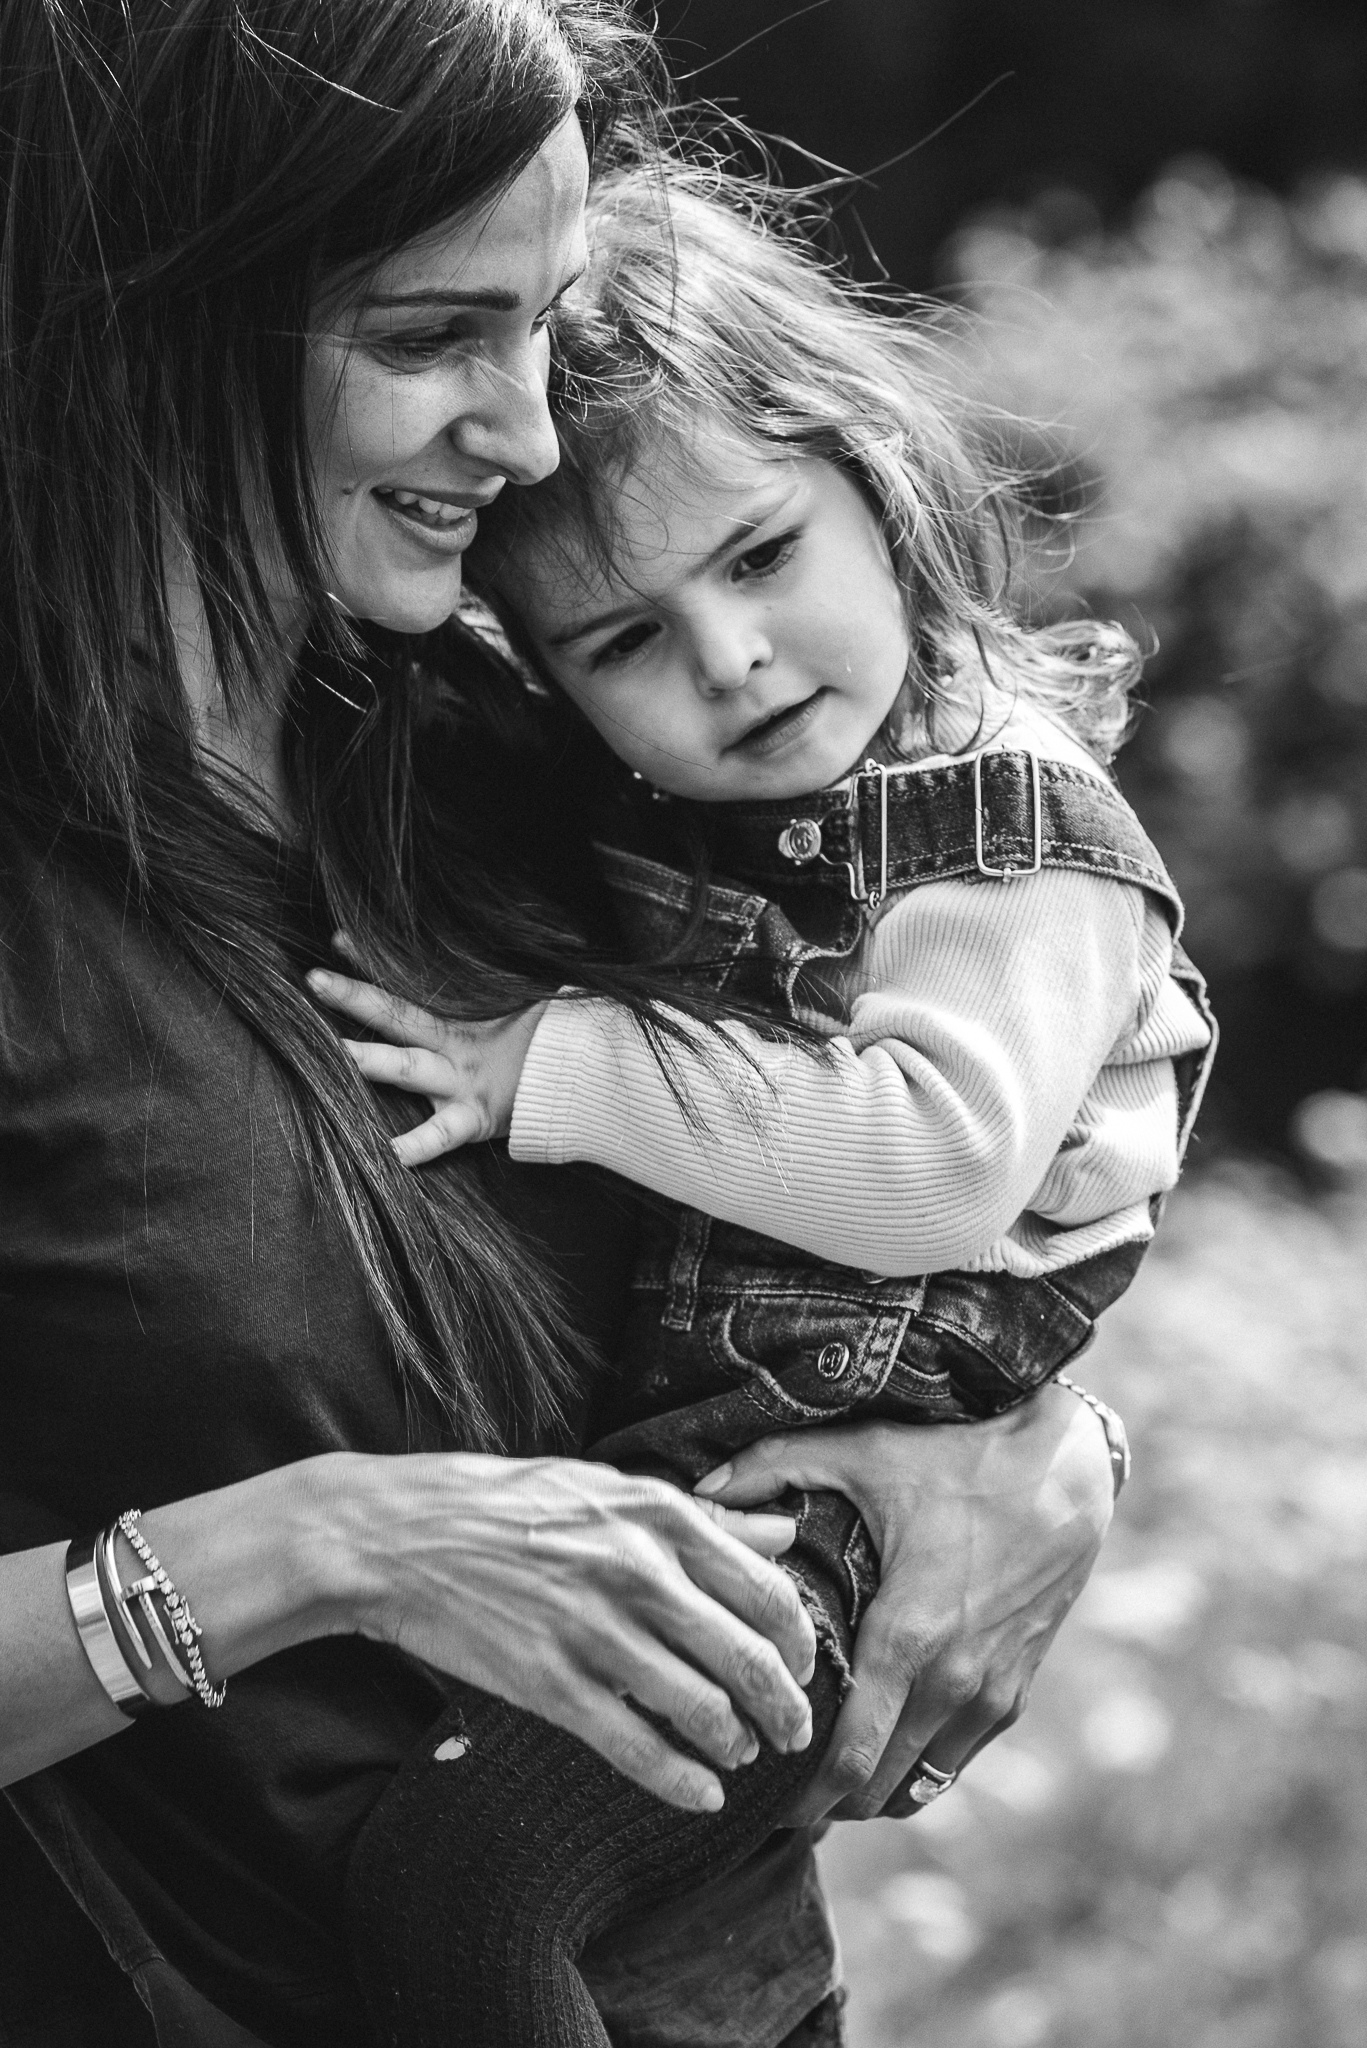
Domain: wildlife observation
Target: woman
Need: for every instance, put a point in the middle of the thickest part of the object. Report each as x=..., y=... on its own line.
x=273, y=302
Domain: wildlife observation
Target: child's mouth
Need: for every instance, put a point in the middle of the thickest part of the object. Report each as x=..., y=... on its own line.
x=778, y=728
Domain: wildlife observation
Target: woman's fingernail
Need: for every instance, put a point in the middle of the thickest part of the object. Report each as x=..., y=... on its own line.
x=317, y=977
x=801, y=1738
x=750, y=1752
x=712, y=1800
x=715, y=1482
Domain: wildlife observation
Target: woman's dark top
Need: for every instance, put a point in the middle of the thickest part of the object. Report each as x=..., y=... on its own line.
x=178, y=1312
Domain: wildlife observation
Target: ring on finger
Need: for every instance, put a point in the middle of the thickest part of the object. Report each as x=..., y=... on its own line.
x=926, y=1784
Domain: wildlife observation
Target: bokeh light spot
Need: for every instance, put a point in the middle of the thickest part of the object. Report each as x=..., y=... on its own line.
x=1338, y=910
x=1127, y=1731
x=1330, y=1128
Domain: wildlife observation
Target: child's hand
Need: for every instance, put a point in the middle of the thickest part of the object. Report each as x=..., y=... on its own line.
x=468, y=1072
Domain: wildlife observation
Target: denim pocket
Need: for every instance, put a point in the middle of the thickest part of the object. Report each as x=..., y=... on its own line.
x=814, y=1354
x=991, y=1337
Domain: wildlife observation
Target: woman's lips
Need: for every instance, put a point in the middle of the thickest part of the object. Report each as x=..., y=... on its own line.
x=437, y=524
x=779, y=729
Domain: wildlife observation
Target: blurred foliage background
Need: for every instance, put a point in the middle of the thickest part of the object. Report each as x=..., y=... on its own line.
x=1156, y=216
x=1157, y=208
x=1170, y=1849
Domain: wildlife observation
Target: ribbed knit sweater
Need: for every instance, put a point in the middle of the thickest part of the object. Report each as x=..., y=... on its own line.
x=1002, y=1096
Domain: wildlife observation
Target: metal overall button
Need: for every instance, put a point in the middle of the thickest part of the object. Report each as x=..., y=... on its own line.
x=800, y=840
x=833, y=1362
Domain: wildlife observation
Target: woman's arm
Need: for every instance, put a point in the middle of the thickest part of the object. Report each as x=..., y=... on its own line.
x=561, y=1586
x=986, y=1535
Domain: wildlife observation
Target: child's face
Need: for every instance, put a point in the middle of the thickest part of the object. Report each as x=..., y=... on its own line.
x=750, y=638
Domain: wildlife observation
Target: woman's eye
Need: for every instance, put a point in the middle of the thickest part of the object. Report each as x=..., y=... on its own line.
x=768, y=556
x=420, y=351
x=626, y=643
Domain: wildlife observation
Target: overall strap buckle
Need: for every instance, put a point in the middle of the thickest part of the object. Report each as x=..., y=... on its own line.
x=860, y=891
x=1010, y=872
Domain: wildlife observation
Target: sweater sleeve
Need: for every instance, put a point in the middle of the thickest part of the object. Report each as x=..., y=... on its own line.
x=987, y=1012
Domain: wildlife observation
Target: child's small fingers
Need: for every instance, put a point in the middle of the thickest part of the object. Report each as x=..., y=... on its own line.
x=402, y=1066
x=401, y=1023
x=358, y=999
x=446, y=1132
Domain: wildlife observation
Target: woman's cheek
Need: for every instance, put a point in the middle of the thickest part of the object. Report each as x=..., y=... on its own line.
x=382, y=418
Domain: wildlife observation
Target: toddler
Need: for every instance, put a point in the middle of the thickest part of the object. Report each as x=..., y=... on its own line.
x=862, y=798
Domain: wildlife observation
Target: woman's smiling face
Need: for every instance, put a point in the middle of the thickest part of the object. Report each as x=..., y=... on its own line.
x=426, y=393
x=750, y=637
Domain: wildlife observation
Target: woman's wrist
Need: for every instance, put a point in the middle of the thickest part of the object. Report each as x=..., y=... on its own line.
x=378, y=1532
x=266, y=1563
x=263, y=1565
x=1078, y=1474
x=349, y=1539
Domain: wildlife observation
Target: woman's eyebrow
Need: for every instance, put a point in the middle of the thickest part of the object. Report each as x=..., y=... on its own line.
x=491, y=301
x=488, y=300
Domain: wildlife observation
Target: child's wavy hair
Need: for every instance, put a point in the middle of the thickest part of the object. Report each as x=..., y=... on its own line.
x=706, y=302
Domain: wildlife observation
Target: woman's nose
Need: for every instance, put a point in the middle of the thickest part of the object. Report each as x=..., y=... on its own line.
x=508, y=429
x=728, y=648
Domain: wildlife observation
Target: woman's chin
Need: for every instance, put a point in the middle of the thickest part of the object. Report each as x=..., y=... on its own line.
x=412, y=604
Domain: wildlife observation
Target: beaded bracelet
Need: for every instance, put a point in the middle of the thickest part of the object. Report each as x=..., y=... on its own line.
x=186, y=1629
x=89, y=1610
x=1117, y=1441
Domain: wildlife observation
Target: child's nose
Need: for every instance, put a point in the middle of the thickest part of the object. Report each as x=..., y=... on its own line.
x=728, y=651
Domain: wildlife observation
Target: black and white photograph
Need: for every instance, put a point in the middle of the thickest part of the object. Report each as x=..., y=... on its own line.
x=683, y=1024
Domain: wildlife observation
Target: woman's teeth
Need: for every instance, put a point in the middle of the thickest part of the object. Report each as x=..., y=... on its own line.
x=435, y=509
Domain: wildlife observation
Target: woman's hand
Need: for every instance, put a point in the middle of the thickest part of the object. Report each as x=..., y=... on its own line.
x=592, y=1599
x=986, y=1536
x=468, y=1072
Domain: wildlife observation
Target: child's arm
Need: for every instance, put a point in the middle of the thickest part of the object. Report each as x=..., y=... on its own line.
x=994, y=1008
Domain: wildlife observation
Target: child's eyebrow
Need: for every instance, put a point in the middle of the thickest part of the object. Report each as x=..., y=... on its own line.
x=739, y=532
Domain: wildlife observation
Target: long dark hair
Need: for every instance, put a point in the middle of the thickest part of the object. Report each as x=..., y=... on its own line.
x=178, y=182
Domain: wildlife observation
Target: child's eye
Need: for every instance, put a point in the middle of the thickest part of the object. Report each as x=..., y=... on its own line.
x=769, y=556
x=624, y=644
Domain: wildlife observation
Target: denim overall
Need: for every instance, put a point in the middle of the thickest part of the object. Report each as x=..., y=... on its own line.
x=508, y=1828
x=732, y=1336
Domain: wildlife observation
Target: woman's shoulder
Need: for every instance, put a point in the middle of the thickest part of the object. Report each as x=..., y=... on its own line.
x=81, y=975
x=45, y=893
x=31, y=887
